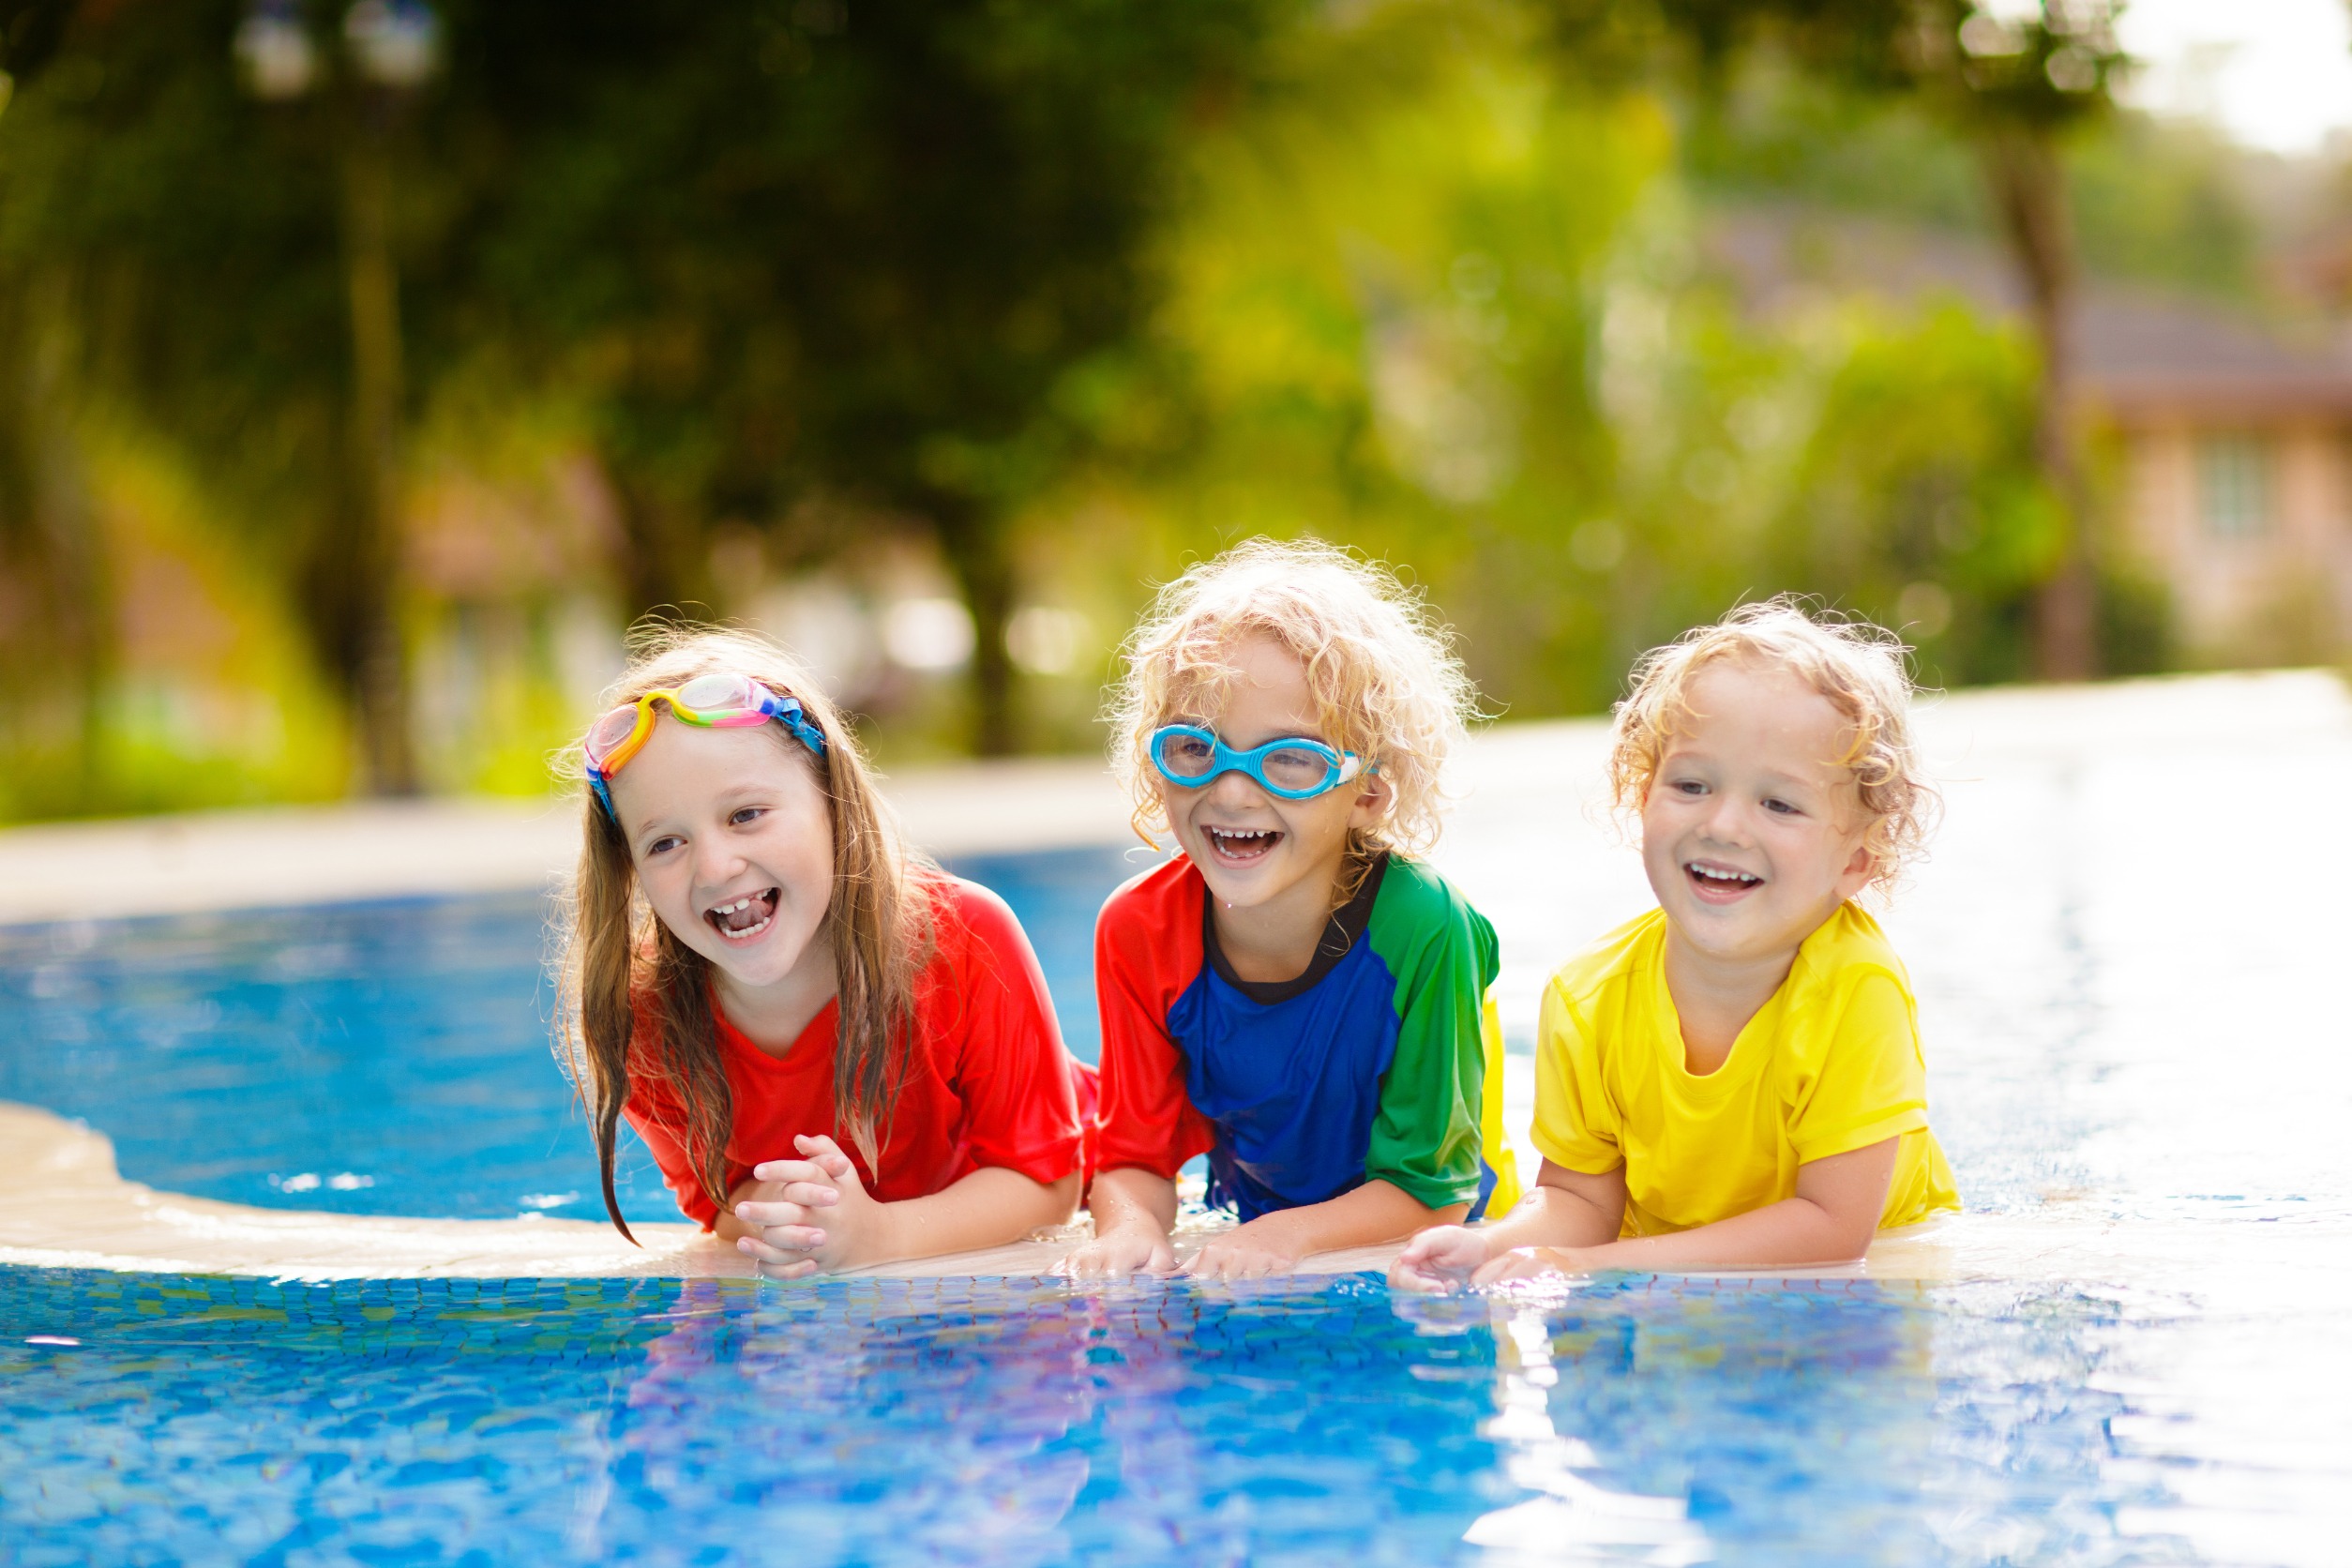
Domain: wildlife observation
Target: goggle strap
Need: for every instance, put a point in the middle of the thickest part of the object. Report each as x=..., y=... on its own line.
x=796, y=718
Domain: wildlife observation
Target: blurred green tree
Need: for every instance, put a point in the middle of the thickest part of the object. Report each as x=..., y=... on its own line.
x=2163, y=200
x=219, y=266
x=1449, y=305
x=786, y=252
x=1914, y=499
x=775, y=251
x=2015, y=81
x=1385, y=326
x=1076, y=294
x=52, y=598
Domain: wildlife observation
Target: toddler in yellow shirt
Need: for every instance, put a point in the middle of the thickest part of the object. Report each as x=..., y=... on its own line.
x=1734, y=1079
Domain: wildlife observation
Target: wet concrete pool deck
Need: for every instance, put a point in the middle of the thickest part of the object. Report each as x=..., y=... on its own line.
x=2070, y=938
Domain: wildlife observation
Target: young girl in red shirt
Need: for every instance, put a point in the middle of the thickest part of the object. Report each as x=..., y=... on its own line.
x=838, y=1054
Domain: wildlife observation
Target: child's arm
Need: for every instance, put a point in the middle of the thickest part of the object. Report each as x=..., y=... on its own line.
x=1273, y=1243
x=1144, y=957
x=1566, y=1209
x=1871, y=1083
x=1134, y=1210
x=810, y=1214
x=1830, y=1220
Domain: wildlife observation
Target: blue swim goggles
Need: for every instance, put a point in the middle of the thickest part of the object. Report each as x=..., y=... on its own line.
x=1300, y=769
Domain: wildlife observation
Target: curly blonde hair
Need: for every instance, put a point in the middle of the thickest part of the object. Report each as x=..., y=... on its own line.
x=1387, y=685
x=1862, y=668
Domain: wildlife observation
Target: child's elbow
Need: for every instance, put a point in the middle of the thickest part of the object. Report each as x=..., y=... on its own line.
x=1835, y=1234
x=1062, y=1199
x=1849, y=1242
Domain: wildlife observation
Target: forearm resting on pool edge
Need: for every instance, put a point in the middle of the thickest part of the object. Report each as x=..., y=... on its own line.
x=1130, y=1199
x=1830, y=1220
x=1378, y=1211
x=1564, y=1208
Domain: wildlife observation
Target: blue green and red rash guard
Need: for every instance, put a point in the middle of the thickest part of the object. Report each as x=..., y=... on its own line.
x=1382, y=1060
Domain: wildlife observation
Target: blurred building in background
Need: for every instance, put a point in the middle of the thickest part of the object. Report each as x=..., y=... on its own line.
x=2238, y=470
x=2227, y=431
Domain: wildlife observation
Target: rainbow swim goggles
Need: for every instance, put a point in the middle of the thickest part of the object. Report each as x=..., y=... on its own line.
x=722, y=702
x=1299, y=769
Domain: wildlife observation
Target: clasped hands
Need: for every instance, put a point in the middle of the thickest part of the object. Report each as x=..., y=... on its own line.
x=803, y=1215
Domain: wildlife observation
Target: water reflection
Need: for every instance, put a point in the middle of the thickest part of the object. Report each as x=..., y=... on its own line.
x=824, y=1415
x=1572, y=1518
x=893, y=1422
x=877, y=1422
x=1655, y=1421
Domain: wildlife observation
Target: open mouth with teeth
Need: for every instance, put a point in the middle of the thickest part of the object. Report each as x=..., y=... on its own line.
x=1236, y=846
x=746, y=917
x=1720, y=884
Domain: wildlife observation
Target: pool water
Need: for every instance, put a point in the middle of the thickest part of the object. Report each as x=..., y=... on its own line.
x=1020, y=1422
x=378, y=1059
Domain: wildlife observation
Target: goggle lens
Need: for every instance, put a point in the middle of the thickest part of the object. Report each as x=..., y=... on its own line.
x=611, y=732
x=1186, y=756
x=1296, y=768
x=720, y=693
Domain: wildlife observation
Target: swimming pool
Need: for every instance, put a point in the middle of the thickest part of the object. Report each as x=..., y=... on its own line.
x=2130, y=978
x=384, y=1057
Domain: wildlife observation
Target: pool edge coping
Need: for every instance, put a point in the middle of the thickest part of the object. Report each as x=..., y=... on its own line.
x=64, y=1205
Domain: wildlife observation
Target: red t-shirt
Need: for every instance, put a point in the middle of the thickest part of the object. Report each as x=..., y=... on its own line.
x=1148, y=953
x=989, y=1083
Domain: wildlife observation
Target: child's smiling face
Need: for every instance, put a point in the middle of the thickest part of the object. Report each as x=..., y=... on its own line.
x=1752, y=831
x=1253, y=848
x=732, y=841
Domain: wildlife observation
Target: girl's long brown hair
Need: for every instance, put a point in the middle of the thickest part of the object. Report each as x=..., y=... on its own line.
x=615, y=952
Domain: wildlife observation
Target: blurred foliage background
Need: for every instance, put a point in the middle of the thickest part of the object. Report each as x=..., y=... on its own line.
x=366, y=369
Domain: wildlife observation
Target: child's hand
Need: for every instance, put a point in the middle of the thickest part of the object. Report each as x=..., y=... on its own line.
x=1533, y=1262
x=1118, y=1253
x=1251, y=1251
x=1438, y=1261
x=807, y=1215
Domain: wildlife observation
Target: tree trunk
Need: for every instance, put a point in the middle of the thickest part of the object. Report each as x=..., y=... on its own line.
x=664, y=565
x=56, y=647
x=2029, y=188
x=378, y=671
x=978, y=548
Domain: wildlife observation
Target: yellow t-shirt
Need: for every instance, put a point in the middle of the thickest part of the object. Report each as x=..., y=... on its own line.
x=1830, y=1064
